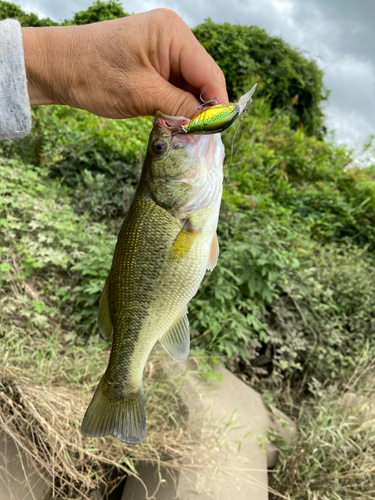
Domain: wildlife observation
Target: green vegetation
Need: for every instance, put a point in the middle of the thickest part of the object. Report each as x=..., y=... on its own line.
x=97, y=158
x=11, y=10
x=290, y=306
x=99, y=11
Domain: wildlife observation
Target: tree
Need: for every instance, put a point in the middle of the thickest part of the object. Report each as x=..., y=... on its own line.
x=13, y=11
x=247, y=54
x=99, y=11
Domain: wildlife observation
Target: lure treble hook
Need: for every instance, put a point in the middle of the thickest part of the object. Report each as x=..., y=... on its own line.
x=206, y=104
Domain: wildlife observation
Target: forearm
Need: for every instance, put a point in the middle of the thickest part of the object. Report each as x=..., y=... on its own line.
x=35, y=42
x=73, y=65
x=50, y=56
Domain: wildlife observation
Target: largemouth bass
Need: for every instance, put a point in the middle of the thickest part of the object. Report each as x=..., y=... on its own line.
x=167, y=242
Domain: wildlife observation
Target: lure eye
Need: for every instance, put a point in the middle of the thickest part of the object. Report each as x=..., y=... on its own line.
x=158, y=147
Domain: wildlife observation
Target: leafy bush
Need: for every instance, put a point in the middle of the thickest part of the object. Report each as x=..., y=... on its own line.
x=98, y=11
x=275, y=166
x=65, y=258
x=324, y=318
x=98, y=158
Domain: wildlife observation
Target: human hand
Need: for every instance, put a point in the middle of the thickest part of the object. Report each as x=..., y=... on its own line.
x=126, y=67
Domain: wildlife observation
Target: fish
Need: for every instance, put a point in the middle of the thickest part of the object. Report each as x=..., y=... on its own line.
x=212, y=119
x=167, y=242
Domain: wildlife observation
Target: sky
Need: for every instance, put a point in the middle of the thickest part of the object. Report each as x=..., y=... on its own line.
x=338, y=34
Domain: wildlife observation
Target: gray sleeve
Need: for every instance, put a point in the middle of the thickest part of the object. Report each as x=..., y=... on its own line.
x=15, y=112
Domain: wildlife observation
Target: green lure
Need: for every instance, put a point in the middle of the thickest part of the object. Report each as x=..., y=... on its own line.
x=217, y=118
x=213, y=119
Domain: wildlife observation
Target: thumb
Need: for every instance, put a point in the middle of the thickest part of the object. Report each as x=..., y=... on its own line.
x=174, y=101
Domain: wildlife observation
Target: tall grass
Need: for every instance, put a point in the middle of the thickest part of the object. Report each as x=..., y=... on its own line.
x=333, y=457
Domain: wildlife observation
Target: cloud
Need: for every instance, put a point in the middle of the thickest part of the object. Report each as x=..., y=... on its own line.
x=55, y=10
x=340, y=35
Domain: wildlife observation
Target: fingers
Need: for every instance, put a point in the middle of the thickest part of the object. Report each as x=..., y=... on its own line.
x=181, y=103
x=189, y=59
x=169, y=99
x=190, y=67
x=200, y=70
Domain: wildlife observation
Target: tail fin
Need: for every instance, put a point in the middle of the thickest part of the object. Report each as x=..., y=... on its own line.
x=123, y=418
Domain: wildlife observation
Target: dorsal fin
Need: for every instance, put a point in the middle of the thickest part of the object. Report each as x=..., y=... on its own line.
x=104, y=316
x=177, y=339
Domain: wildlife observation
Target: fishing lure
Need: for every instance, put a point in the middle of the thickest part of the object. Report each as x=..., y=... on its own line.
x=214, y=118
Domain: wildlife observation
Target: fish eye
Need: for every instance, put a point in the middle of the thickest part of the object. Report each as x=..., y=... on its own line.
x=158, y=147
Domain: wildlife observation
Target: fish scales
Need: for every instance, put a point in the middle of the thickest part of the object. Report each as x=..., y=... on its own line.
x=165, y=245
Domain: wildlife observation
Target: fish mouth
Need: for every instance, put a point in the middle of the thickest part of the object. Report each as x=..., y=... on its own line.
x=170, y=123
x=169, y=128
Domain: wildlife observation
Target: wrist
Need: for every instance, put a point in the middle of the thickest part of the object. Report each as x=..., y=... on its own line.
x=47, y=52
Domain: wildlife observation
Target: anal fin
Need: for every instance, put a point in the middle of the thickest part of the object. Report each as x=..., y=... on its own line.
x=104, y=315
x=176, y=341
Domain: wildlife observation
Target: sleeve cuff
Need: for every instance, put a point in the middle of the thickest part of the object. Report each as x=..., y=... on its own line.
x=15, y=111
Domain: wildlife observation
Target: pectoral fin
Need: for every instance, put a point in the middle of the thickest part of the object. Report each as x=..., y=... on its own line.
x=104, y=317
x=214, y=254
x=184, y=241
x=177, y=339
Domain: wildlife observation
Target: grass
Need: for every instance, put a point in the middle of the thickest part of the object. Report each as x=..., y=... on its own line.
x=333, y=457
x=48, y=377
x=46, y=387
